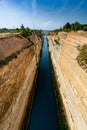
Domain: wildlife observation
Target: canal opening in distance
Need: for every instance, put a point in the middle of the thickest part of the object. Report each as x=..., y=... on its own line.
x=44, y=112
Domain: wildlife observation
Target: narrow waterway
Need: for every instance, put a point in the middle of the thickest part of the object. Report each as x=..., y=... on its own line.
x=44, y=114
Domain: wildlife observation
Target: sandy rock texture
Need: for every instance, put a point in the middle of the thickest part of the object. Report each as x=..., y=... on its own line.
x=72, y=78
x=16, y=80
x=9, y=45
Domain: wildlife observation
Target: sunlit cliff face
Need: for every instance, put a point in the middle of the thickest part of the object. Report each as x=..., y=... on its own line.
x=71, y=76
x=16, y=80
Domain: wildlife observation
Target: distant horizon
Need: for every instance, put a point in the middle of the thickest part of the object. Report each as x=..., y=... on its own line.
x=45, y=14
x=40, y=28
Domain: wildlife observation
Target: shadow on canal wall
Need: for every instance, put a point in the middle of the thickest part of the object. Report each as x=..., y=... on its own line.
x=27, y=112
x=62, y=120
x=16, y=84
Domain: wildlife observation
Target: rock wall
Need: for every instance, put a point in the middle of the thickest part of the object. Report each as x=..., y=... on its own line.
x=72, y=78
x=16, y=80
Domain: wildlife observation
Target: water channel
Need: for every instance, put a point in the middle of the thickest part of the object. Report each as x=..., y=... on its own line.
x=44, y=114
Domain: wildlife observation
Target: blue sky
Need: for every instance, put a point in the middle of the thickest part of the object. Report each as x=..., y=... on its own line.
x=42, y=14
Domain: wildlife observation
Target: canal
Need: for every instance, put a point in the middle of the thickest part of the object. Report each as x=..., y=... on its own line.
x=44, y=114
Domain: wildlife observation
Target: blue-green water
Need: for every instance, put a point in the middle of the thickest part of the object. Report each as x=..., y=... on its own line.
x=44, y=114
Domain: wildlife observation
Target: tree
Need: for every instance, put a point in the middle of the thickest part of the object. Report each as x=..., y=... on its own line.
x=72, y=26
x=17, y=29
x=22, y=27
x=77, y=26
x=84, y=28
x=67, y=26
x=23, y=31
x=4, y=30
x=29, y=31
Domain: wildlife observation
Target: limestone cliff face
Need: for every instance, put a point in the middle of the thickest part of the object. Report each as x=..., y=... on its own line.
x=16, y=80
x=72, y=78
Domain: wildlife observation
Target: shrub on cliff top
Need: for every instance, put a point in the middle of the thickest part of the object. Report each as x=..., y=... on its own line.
x=25, y=32
x=85, y=28
x=82, y=56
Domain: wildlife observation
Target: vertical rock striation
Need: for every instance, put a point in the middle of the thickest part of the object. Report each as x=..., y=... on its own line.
x=16, y=82
x=72, y=78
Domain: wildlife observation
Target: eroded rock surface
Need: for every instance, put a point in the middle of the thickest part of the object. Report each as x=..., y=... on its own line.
x=16, y=79
x=72, y=78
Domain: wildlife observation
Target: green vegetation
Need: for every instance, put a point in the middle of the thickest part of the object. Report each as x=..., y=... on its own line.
x=25, y=32
x=72, y=27
x=84, y=28
x=57, y=41
x=6, y=30
x=82, y=56
x=22, y=30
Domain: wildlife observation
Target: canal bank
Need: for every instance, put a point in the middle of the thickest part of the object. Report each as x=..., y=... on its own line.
x=62, y=116
x=44, y=112
x=16, y=79
x=62, y=121
x=28, y=108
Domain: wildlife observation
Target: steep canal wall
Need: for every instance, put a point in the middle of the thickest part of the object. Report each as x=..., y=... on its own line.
x=72, y=78
x=17, y=74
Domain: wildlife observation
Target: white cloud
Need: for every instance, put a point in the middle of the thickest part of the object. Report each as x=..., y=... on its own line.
x=12, y=16
x=49, y=25
x=34, y=5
